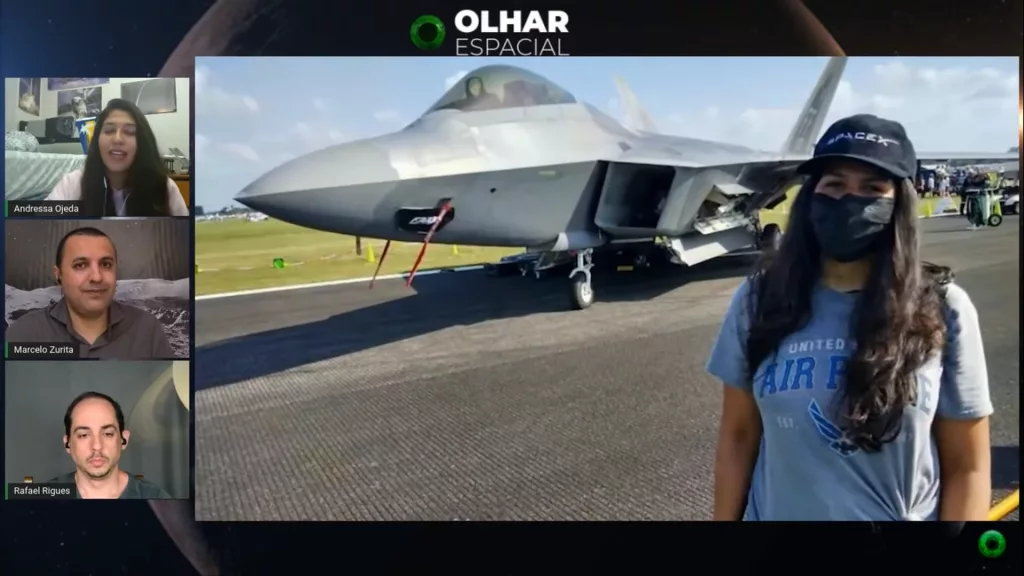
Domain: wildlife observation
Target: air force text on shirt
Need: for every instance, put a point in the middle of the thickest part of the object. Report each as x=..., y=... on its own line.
x=804, y=372
x=511, y=32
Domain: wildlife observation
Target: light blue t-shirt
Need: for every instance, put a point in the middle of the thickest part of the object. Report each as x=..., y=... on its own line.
x=805, y=469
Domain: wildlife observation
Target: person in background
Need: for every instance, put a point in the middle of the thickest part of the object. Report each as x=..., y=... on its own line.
x=124, y=174
x=855, y=383
x=477, y=96
x=95, y=438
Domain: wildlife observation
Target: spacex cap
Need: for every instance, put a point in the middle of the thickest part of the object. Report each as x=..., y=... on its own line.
x=870, y=139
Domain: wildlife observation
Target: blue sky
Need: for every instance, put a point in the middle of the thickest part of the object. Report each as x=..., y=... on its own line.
x=254, y=113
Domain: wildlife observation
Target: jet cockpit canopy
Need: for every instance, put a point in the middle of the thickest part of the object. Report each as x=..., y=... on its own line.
x=499, y=86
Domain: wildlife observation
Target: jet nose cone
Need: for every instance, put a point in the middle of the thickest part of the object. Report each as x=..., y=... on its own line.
x=341, y=183
x=365, y=162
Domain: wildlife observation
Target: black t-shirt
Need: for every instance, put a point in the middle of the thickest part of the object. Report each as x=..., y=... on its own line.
x=136, y=489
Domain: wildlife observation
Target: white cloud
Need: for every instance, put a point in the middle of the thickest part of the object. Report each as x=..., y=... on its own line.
x=281, y=157
x=243, y=151
x=320, y=105
x=387, y=116
x=274, y=147
x=315, y=138
x=201, y=144
x=202, y=75
x=216, y=100
x=454, y=79
x=303, y=140
x=223, y=151
x=943, y=109
x=305, y=131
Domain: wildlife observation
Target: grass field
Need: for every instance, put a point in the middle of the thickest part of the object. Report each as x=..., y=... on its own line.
x=237, y=255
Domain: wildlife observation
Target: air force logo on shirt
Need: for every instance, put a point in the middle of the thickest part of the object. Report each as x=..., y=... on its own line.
x=835, y=436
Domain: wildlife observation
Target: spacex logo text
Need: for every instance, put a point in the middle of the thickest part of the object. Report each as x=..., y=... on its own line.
x=511, y=32
x=866, y=136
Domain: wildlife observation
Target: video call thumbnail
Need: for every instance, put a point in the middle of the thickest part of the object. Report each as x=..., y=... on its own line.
x=102, y=289
x=104, y=430
x=97, y=147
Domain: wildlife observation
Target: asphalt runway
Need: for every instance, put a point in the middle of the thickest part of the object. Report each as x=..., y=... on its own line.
x=477, y=398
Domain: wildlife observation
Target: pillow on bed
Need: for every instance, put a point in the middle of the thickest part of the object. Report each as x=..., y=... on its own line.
x=20, y=141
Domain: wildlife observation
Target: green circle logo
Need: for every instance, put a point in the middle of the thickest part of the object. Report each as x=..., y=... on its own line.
x=992, y=544
x=423, y=26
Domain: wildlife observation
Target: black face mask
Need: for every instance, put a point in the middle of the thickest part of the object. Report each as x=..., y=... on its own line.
x=849, y=228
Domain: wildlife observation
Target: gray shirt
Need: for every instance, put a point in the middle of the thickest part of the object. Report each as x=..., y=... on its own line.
x=805, y=469
x=136, y=489
x=133, y=334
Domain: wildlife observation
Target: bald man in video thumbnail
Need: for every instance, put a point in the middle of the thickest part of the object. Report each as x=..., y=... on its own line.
x=95, y=438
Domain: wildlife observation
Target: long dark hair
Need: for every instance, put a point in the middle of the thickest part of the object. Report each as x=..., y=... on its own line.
x=147, y=176
x=898, y=322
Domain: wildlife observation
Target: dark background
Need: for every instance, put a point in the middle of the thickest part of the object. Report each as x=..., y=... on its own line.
x=51, y=38
x=159, y=248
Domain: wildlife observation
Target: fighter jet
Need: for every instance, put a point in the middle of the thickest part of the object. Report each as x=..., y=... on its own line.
x=508, y=158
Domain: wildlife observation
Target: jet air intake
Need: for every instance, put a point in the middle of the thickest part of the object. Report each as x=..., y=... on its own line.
x=422, y=220
x=644, y=201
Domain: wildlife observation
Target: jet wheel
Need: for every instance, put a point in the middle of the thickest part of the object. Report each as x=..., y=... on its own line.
x=771, y=237
x=581, y=291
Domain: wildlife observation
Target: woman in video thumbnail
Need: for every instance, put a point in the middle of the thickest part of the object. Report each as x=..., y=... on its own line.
x=124, y=174
x=855, y=378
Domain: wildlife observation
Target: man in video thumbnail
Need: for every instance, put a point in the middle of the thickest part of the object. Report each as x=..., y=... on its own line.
x=94, y=437
x=87, y=315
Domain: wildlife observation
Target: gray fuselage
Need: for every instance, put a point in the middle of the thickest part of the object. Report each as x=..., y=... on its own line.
x=515, y=176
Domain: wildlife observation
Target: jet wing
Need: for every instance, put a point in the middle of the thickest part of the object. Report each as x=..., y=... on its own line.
x=710, y=156
x=687, y=153
x=764, y=174
x=965, y=158
x=754, y=160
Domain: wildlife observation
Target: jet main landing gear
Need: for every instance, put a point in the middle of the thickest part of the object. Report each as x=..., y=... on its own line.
x=771, y=238
x=580, y=285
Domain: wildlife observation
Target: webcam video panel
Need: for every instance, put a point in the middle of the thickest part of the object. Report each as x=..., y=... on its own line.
x=97, y=430
x=113, y=289
x=97, y=147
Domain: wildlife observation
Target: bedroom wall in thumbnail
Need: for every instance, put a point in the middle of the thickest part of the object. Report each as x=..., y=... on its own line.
x=172, y=129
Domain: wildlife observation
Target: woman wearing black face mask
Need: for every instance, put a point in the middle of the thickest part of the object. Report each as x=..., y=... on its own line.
x=855, y=378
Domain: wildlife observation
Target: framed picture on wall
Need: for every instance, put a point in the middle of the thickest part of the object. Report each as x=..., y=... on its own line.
x=156, y=96
x=69, y=83
x=80, y=103
x=28, y=95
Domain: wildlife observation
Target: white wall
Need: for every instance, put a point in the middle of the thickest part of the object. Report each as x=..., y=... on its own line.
x=171, y=130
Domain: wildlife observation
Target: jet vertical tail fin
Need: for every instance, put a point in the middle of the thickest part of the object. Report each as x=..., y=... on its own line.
x=805, y=132
x=636, y=117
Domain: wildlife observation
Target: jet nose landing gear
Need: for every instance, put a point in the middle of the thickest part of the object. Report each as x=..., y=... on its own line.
x=580, y=284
